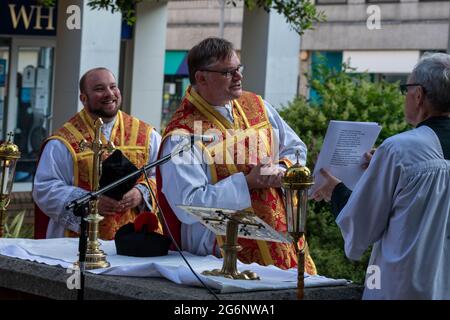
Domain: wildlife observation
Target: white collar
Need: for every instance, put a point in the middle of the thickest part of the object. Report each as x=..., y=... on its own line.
x=107, y=128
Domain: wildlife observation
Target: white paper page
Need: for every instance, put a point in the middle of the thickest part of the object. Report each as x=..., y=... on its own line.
x=343, y=151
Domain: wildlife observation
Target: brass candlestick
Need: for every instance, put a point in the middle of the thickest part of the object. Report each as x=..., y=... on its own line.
x=234, y=224
x=9, y=154
x=296, y=182
x=230, y=250
x=95, y=257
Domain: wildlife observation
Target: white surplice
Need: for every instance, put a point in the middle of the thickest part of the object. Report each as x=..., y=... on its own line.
x=191, y=184
x=53, y=183
x=401, y=205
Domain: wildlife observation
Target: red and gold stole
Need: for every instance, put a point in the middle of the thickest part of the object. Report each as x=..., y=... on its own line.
x=243, y=143
x=129, y=134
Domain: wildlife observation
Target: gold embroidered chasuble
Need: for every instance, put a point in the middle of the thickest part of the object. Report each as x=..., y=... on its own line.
x=245, y=142
x=130, y=135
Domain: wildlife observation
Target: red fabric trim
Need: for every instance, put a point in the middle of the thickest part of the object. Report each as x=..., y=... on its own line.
x=40, y=223
x=41, y=220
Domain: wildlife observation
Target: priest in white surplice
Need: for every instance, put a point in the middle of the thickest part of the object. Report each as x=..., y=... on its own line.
x=401, y=205
x=216, y=101
x=64, y=169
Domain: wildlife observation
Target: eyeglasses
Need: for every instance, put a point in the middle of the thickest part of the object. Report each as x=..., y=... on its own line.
x=404, y=87
x=227, y=73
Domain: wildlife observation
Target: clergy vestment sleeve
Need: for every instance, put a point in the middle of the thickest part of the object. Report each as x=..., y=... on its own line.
x=365, y=217
x=155, y=141
x=288, y=140
x=186, y=181
x=53, y=185
x=192, y=184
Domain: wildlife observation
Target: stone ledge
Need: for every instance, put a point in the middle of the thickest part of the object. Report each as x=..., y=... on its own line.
x=50, y=282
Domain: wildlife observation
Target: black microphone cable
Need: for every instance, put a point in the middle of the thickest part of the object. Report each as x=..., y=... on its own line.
x=162, y=217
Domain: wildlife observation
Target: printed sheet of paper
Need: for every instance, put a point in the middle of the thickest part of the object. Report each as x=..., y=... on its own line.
x=343, y=151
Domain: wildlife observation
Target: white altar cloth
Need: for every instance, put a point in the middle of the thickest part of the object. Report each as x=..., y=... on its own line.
x=64, y=251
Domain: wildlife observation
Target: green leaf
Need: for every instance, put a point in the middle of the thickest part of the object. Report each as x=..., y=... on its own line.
x=48, y=3
x=14, y=228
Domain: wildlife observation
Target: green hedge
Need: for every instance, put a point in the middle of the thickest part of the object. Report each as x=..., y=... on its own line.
x=343, y=96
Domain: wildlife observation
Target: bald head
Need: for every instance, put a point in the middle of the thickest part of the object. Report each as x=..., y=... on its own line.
x=87, y=74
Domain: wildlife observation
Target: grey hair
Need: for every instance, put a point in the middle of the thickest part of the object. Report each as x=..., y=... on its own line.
x=433, y=73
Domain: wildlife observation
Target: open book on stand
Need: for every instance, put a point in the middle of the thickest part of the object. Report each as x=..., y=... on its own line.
x=343, y=151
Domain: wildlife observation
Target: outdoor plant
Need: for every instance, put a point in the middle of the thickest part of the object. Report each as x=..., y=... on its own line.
x=15, y=227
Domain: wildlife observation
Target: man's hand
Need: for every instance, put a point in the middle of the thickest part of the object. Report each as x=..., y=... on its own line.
x=108, y=206
x=264, y=176
x=131, y=199
x=325, y=191
x=367, y=157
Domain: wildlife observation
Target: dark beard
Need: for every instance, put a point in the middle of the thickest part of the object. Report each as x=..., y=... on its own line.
x=105, y=114
x=100, y=112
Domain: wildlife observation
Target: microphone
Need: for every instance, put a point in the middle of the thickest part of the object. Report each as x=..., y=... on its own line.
x=203, y=137
x=197, y=137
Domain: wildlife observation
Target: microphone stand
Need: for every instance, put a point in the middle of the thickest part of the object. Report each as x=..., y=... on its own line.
x=79, y=206
x=81, y=211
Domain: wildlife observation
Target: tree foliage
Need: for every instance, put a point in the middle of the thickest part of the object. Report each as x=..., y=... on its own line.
x=343, y=96
x=300, y=14
x=126, y=7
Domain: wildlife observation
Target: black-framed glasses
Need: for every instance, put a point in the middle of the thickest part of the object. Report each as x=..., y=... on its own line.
x=404, y=87
x=227, y=73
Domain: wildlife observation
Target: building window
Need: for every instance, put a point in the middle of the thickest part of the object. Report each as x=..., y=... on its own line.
x=174, y=88
x=33, y=110
x=331, y=60
x=176, y=81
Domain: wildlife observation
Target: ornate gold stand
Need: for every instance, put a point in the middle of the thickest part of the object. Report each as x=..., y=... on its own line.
x=300, y=265
x=9, y=155
x=95, y=257
x=4, y=202
x=230, y=249
x=296, y=182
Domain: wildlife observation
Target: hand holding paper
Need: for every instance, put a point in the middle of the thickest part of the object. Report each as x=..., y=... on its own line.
x=343, y=151
x=325, y=190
